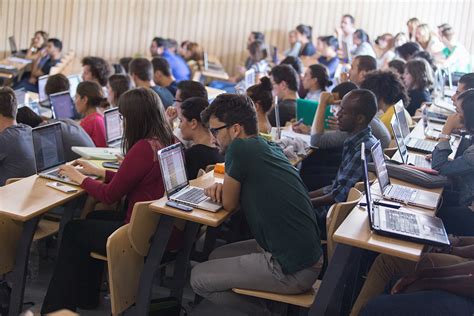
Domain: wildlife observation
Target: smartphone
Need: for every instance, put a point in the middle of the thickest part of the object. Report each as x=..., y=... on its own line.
x=179, y=206
x=110, y=165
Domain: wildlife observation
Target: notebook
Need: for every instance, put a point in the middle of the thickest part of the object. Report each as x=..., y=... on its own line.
x=306, y=110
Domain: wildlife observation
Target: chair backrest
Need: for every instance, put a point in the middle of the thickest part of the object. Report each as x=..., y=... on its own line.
x=142, y=226
x=10, y=233
x=337, y=214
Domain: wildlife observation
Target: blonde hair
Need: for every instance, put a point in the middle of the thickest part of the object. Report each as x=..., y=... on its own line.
x=425, y=33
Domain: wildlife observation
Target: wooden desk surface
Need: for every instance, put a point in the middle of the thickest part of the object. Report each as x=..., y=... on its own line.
x=30, y=197
x=222, y=75
x=196, y=215
x=355, y=231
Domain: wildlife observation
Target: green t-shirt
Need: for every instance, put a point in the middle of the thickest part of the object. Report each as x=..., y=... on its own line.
x=275, y=201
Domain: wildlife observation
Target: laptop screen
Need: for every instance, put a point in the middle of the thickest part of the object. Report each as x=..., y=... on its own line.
x=48, y=146
x=20, y=96
x=380, y=168
x=113, y=125
x=399, y=139
x=249, y=78
x=62, y=105
x=368, y=196
x=41, y=84
x=13, y=47
x=402, y=120
x=74, y=81
x=173, y=168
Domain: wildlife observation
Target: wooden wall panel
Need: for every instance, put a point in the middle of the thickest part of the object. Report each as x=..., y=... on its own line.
x=117, y=28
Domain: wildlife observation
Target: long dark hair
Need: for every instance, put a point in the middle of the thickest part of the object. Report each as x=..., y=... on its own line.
x=144, y=117
x=119, y=84
x=93, y=91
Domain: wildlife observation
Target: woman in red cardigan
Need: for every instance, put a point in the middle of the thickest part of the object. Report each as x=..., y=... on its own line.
x=77, y=277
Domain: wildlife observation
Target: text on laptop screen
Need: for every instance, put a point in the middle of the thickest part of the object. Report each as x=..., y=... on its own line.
x=41, y=84
x=74, y=81
x=381, y=169
x=20, y=96
x=113, y=125
x=174, y=171
x=402, y=120
x=400, y=141
x=62, y=105
x=48, y=146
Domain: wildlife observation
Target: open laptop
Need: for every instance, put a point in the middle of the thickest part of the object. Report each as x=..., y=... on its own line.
x=173, y=171
x=209, y=65
x=408, y=159
x=422, y=145
x=400, y=193
x=249, y=79
x=62, y=105
x=402, y=223
x=42, y=96
x=113, y=128
x=74, y=81
x=14, y=48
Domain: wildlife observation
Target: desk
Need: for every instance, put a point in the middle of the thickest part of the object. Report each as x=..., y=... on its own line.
x=13, y=62
x=160, y=239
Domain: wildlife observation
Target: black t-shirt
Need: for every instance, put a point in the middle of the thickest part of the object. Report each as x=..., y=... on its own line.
x=308, y=50
x=173, y=87
x=49, y=64
x=417, y=97
x=287, y=110
x=199, y=157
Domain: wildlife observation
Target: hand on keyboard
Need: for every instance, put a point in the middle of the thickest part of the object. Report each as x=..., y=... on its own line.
x=214, y=192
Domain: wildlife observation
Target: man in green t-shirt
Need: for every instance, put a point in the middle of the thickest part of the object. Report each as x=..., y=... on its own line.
x=286, y=254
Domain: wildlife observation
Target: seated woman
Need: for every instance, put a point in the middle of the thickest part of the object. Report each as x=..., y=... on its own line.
x=76, y=278
x=38, y=44
x=315, y=81
x=203, y=152
x=418, y=78
x=90, y=102
x=327, y=49
x=304, y=35
x=429, y=42
x=295, y=46
x=261, y=95
x=362, y=43
x=385, y=46
x=117, y=85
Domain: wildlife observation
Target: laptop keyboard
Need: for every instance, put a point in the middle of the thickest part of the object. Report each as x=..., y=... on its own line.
x=401, y=193
x=420, y=161
x=55, y=174
x=402, y=222
x=424, y=145
x=194, y=195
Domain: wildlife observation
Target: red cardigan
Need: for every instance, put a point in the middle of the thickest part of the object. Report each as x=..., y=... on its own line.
x=94, y=125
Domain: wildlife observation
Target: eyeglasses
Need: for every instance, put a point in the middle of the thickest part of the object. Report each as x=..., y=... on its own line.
x=217, y=129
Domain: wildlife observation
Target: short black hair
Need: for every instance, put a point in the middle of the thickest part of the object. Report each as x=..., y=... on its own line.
x=262, y=92
x=162, y=65
x=330, y=41
x=26, y=116
x=124, y=62
x=233, y=109
x=386, y=85
x=362, y=35
x=258, y=36
x=364, y=102
x=350, y=17
x=189, y=89
x=191, y=108
x=305, y=30
x=160, y=42
x=366, y=62
x=8, y=102
x=467, y=102
x=56, y=43
x=407, y=50
x=142, y=68
x=467, y=80
x=294, y=62
x=99, y=68
x=56, y=83
x=321, y=74
x=398, y=65
x=285, y=73
x=344, y=88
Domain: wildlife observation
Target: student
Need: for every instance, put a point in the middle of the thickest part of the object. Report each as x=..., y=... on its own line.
x=285, y=86
x=90, y=102
x=141, y=72
x=344, y=35
x=295, y=45
x=124, y=62
x=193, y=52
x=412, y=24
x=360, y=67
x=397, y=66
x=418, y=78
x=385, y=44
x=17, y=158
x=255, y=36
x=399, y=39
x=72, y=133
x=304, y=35
x=457, y=56
x=203, y=152
x=362, y=44
x=37, y=45
x=186, y=89
x=315, y=81
x=261, y=95
x=96, y=69
x=388, y=89
x=327, y=49
x=117, y=85
x=429, y=43
x=56, y=83
x=408, y=50
x=286, y=254
x=160, y=47
x=357, y=109
x=172, y=45
x=76, y=278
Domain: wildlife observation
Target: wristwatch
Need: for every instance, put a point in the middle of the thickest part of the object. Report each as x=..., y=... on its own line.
x=444, y=136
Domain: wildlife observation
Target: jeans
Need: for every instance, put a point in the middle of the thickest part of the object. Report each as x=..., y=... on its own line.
x=245, y=265
x=457, y=220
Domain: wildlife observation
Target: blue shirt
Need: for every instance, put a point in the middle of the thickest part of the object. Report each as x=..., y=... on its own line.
x=165, y=95
x=178, y=66
x=330, y=64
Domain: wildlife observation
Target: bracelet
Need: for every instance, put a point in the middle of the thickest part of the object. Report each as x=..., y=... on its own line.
x=444, y=136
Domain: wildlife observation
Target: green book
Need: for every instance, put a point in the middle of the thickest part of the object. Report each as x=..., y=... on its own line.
x=306, y=110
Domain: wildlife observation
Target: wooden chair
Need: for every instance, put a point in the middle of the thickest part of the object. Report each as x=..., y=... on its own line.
x=336, y=215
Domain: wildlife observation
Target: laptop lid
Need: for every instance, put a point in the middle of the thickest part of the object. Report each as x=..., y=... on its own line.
x=173, y=169
x=42, y=97
x=74, y=81
x=62, y=105
x=13, y=47
x=249, y=79
x=380, y=167
x=368, y=196
x=399, y=140
x=206, y=61
x=113, y=125
x=48, y=147
x=20, y=97
x=402, y=120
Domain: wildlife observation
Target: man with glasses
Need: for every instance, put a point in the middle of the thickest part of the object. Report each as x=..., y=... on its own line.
x=286, y=254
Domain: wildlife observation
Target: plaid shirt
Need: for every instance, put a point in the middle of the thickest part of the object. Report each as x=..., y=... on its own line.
x=350, y=171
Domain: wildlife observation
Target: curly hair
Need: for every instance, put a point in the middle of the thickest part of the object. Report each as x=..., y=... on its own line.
x=99, y=68
x=387, y=86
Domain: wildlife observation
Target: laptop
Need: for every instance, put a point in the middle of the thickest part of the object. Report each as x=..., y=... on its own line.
x=421, y=145
x=62, y=105
x=21, y=97
x=49, y=152
x=42, y=97
x=74, y=81
x=173, y=171
x=408, y=159
x=402, y=223
x=400, y=193
x=14, y=48
x=209, y=65
x=249, y=79
x=113, y=128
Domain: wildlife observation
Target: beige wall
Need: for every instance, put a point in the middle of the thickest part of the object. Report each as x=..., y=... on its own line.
x=117, y=28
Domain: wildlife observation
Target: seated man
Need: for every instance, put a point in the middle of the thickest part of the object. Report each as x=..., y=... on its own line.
x=17, y=158
x=360, y=67
x=141, y=72
x=162, y=74
x=285, y=86
x=160, y=47
x=96, y=69
x=286, y=254
x=356, y=111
